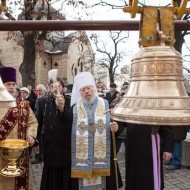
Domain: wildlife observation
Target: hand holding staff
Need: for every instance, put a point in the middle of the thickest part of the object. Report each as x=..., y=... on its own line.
x=114, y=128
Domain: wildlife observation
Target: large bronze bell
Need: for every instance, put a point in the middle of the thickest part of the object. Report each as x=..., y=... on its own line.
x=156, y=95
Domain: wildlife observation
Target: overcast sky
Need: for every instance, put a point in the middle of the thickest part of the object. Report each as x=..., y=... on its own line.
x=106, y=13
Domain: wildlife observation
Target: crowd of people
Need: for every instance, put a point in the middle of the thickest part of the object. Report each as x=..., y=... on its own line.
x=73, y=138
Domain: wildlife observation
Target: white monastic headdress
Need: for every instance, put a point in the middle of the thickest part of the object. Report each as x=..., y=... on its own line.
x=81, y=80
x=52, y=75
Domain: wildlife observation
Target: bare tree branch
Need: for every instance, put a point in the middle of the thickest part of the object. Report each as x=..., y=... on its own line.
x=113, y=6
x=111, y=56
x=185, y=68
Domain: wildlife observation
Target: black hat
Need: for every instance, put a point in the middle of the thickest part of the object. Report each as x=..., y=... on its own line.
x=8, y=74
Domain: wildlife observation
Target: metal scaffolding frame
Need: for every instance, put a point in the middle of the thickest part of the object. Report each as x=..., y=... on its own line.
x=55, y=25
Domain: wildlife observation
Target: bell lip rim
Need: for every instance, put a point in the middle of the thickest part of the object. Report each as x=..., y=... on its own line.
x=151, y=123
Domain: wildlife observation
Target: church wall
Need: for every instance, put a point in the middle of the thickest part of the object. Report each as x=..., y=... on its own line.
x=72, y=59
x=80, y=58
x=44, y=64
x=61, y=62
x=42, y=67
x=11, y=55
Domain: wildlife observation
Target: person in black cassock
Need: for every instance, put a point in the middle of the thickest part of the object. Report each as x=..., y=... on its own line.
x=145, y=154
x=54, y=133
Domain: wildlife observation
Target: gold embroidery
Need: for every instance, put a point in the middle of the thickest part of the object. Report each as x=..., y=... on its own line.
x=15, y=112
x=22, y=104
x=2, y=128
x=90, y=173
x=82, y=127
x=9, y=122
x=91, y=181
x=100, y=147
x=100, y=108
x=23, y=123
x=81, y=148
x=24, y=111
x=101, y=126
x=100, y=160
x=81, y=111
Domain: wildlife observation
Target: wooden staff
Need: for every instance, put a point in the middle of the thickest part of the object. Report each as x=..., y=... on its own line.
x=115, y=159
x=114, y=153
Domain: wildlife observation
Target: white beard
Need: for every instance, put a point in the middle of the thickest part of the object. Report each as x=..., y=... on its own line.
x=90, y=102
x=41, y=96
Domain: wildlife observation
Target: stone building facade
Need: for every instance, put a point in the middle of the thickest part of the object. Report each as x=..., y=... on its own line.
x=70, y=55
x=11, y=54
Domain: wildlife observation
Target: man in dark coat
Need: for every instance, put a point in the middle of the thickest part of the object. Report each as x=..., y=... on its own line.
x=144, y=155
x=55, y=133
x=180, y=133
x=111, y=95
x=41, y=94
